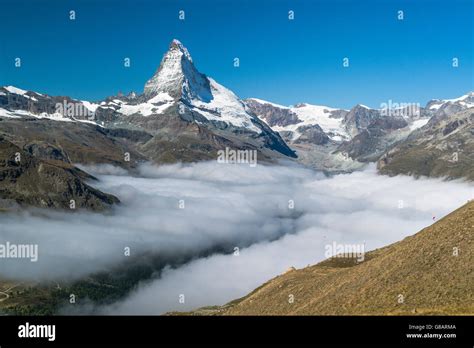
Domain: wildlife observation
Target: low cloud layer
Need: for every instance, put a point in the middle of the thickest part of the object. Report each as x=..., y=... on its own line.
x=279, y=216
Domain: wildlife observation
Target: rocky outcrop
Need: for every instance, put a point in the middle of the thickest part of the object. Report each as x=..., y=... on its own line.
x=370, y=143
x=271, y=114
x=359, y=118
x=46, y=151
x=312, y=134
x=46, y=183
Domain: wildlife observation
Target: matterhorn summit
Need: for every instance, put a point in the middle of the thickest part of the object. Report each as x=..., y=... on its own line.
x=178, y=77
x=183, y=115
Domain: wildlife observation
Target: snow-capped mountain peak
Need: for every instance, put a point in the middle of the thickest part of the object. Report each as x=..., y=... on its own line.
x=176, y=44
x=290, y=119
x=178, y=77
x=465, y=98
x=15, y=90
x=465, y=101
x=176, y=85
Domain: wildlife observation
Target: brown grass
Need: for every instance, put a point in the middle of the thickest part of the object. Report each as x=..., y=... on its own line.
x=421, y=268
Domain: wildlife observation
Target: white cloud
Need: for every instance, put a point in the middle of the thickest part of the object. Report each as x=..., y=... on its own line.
x=224, y=206
x=362, y=207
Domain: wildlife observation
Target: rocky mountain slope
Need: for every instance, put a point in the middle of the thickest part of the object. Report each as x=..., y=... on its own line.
x=49, y=183
x=442, y=148
x=79, y=142
x=183, y=115
x=429, y=273
x=335, y=140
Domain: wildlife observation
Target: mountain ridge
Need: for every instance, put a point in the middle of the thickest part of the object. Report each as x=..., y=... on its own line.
x=184, y=115
x=176, y=98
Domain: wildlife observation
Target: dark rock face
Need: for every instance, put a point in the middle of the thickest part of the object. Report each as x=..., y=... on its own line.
x=359, y=118
x=46, y=151
x=452, y=126
x=312, y=134
x=27, y=180
x=338, y=113
x=370, y=143
x=271, y=114
x=134, y=136
x=387, y=123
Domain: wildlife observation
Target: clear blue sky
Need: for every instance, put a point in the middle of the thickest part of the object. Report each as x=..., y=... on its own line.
x=282, y=61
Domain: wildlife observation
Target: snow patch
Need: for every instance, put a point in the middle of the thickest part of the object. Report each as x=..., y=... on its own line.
x=5, y=113
x=144, y=109
x=225, y=106
x=90, y=106
x=320, y=115
x=15, y=90
x=161, y=97
x=311, y=115
x=418, y=123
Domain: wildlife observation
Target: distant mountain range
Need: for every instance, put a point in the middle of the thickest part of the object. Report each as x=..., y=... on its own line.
x=185, y=116
x=336, y=140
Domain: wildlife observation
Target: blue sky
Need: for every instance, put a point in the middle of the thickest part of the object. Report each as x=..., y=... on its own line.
x=280, y=60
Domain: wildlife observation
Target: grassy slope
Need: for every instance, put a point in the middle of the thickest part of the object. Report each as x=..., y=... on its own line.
x=422, y=268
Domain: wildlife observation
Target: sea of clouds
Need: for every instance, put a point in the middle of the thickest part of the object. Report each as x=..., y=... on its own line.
x=278, y=216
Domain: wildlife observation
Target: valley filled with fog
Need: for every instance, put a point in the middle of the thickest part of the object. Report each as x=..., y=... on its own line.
x=232, y=227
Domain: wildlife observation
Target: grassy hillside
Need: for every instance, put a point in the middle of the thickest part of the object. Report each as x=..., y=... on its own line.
x=419, y=275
